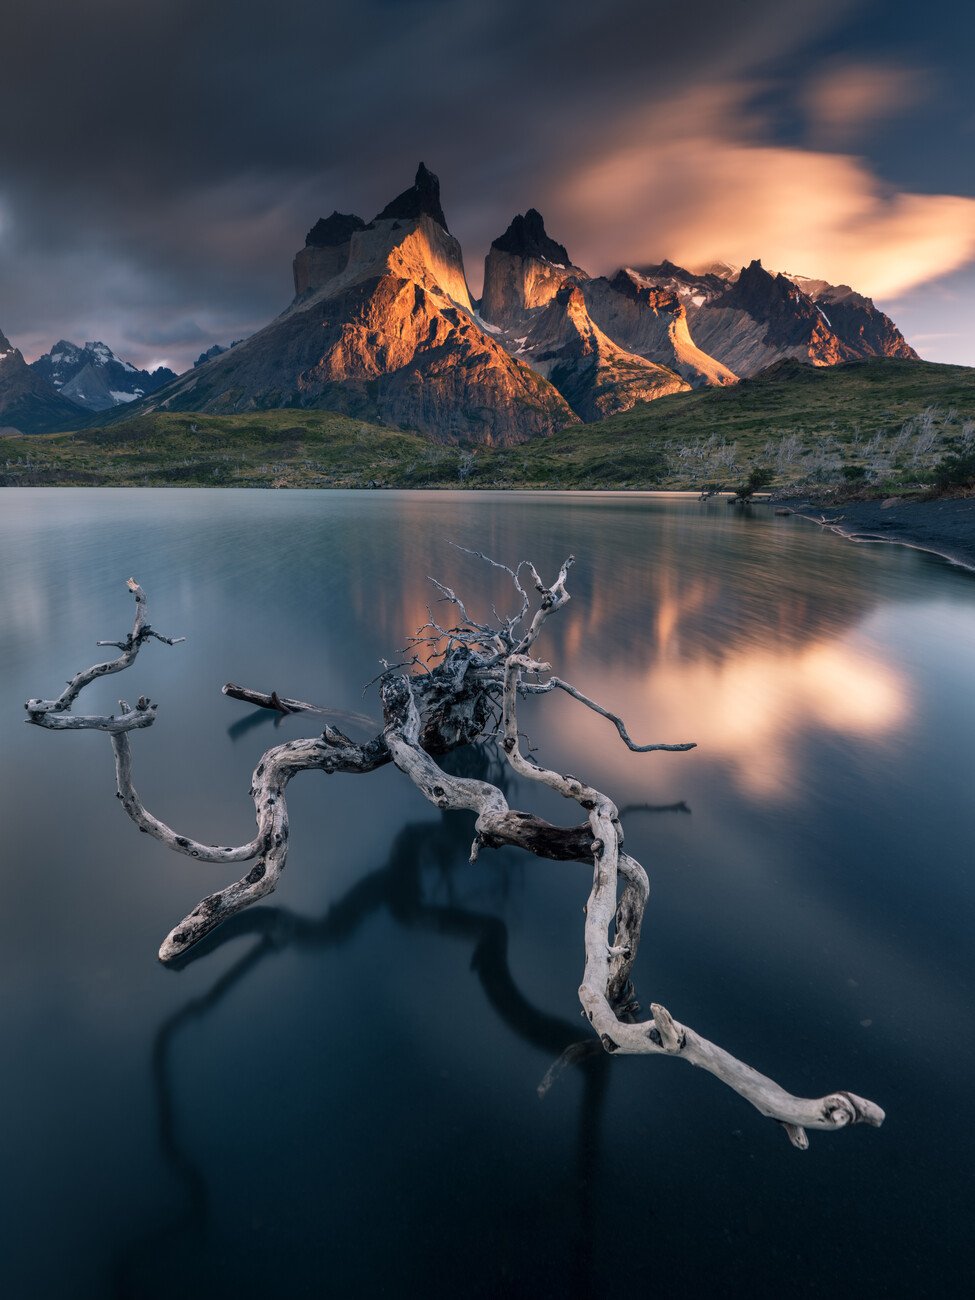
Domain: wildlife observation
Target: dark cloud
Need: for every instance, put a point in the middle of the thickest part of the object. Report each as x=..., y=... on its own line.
x=163, y=160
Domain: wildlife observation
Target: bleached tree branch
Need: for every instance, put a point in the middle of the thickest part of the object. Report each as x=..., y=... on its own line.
x=473, y=689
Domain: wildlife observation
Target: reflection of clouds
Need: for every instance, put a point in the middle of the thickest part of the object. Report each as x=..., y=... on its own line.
x=740, y=641
x=749, y=710
x=673, y=607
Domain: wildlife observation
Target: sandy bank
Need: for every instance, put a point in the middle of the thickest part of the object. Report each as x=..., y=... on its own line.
x=945, y=527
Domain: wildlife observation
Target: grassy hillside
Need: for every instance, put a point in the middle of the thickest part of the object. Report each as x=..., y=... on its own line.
x=883, y=423
x=890, y=418
x=269, y=449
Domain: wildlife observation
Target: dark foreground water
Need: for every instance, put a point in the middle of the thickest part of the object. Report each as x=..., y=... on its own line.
x=337, y=1097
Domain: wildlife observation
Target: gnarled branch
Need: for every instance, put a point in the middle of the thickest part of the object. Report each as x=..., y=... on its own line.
x=472, y=693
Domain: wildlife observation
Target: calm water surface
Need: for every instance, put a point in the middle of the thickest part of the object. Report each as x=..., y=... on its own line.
x=337, y=1096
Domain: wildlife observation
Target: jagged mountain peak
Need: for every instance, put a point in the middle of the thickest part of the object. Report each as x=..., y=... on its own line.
x=422, y=199
x=755, y=273
x=524, y=269
x=65, y=348
x=329, y=232
x=634, y=285
x=28, y=402
x=95, y=377
x=757, y=288
x=101, y=354
x=526, y=237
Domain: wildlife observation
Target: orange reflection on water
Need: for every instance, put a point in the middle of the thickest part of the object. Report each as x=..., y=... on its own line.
x=785, y=664
x=673, y=606
x=751, y=710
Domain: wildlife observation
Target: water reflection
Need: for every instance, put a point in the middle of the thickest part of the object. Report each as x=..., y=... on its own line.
x=744, y=659
x=403, y=887
x=260, y=718
x=752, y=710
x=815, y=904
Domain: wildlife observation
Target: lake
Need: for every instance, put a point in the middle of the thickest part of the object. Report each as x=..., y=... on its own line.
x=337, y=1095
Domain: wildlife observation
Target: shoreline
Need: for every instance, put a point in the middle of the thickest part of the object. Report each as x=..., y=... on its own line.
x=944, y=527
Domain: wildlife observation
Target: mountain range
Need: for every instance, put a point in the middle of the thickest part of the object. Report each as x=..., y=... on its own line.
x=28, y=402
x=64, y=386
x=95, y=378
x=383, y=327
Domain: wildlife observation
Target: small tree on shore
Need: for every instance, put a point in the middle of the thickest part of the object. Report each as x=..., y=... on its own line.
x=760, y=477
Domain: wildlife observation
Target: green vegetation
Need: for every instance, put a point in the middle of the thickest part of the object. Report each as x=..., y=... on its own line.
x=956, y=470
x=265, y=449
x=760, y=477
x=869, y=427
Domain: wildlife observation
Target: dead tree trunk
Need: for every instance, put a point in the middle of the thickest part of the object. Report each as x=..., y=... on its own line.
x=470, y=693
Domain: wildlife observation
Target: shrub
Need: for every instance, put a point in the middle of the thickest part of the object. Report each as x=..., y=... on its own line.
x=760, y=477
x=956, y=469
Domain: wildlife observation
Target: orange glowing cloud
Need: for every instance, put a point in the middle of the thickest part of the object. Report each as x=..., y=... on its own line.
x=696, y=180
x=845, y=97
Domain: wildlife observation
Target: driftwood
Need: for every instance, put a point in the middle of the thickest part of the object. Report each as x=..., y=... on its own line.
x=283, y=704
x=471, y=693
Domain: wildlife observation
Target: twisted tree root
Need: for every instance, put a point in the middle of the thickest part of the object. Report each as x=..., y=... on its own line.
x=479, y=675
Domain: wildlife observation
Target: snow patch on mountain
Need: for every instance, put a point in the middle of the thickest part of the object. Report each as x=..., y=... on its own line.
x=95, y=377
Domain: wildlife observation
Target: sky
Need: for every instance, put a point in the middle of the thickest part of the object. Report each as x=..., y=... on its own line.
x=162, y=160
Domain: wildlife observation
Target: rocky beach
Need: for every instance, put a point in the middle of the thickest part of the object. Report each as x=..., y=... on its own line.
x=945, y=527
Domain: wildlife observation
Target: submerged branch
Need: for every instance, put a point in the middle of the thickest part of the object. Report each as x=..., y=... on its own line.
x=284, y=704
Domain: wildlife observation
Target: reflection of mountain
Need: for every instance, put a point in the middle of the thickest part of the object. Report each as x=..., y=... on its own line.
x=740, y=657
x=708, y=581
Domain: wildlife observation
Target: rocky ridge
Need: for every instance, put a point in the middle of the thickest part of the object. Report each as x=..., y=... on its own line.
x=95, y=378
x=383, y=327
x=28, y=402
x=384, y=330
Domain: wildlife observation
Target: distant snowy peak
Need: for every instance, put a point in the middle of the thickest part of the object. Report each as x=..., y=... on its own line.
x=96, y=378
x=808, y=284
x=27, y=401
x=7, y=350
x=693, y=288
x=721, y=269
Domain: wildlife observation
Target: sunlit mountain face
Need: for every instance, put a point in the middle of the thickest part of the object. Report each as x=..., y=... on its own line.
x=383, y=327
x=827, y=140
